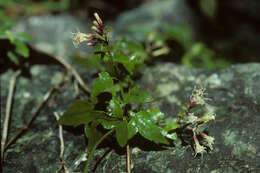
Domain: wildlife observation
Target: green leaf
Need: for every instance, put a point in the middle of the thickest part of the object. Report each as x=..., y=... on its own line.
x=10, y=36
x=122, y=133
x=181, y=33
x=102, y=83
x=128, y=62
x=21, y=48
x=156, y=114
x=137, y=95
x=81, y=112
x=180, y=114
x=24, y=36
x=132, y=129
x=148, y=129
x=109, y=123
x=171, y=126
x=184, y=108
x=13, y=57
x=172, y=136
x=116, y=107
x=93, y=136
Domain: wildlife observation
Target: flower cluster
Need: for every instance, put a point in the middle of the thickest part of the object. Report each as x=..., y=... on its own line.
x=92, y=38
x=198, y=96
x=199, y=149
x=192, y=122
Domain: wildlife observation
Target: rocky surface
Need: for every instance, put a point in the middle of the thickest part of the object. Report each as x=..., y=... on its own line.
x=152, y=15
x=52, y=33
x=234, y=94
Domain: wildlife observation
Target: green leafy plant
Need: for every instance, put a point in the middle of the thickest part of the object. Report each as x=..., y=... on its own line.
x=18, y=40
x=116, y=106
x=197, y=54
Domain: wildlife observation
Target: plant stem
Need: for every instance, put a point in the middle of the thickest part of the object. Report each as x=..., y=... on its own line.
x=94, y=148
x=128, y=158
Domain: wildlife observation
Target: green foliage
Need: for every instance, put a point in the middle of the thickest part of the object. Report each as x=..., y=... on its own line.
x=18, y=40
x=201, y=56
x=122, y=133
x=115, y=106
x=147, y=128
x=120, y=61
x=101, y=84
x=81, y=112
x=122, y=115
x=136, y=95
x=196, y=54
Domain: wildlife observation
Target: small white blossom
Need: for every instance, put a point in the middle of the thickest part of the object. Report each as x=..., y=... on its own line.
x=208, y=116
x=210, y=141
x=198, y=96
x=191, y=118
x=78, y=38
x=199, y=149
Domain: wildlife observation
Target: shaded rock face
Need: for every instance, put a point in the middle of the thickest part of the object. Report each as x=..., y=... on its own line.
x=52, y=33
x=152, y=15
x=234, y=94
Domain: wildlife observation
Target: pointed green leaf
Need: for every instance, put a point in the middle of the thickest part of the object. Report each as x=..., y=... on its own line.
x=172, y=136
x=109, y=123
x=102, y=83
x=127, y=61
x=171, y=126
x=122, y=133
x=116, y=107
x=137, y=95
x=81, y=112
x=21, y=48
x=10, y=36
x=93, y=136
x=181, y=114
x=148, y=129
x=156, y=114
x=13, y=57
x=24, y=36
x=132, y=129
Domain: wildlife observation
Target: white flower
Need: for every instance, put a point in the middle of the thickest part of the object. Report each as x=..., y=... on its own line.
x=208, y=116
x=210, y=141
x=78, y=38
x=191, y=118
x=199, y=149
x=198, y=96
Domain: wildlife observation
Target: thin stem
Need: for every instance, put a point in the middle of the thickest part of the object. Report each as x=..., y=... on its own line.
x=94, y=148
x=8, y=111
x=128, y=158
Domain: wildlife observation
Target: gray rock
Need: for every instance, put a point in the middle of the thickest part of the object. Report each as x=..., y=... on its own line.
x=152, y=15
x=52, y=33
x=234, y=94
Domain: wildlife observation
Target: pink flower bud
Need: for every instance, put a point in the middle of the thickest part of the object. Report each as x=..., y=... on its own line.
x=98, y=19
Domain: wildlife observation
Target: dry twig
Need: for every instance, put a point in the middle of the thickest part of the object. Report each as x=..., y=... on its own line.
x=61, y=146
x=74, y=72
x=35, y=113
x=8, y=111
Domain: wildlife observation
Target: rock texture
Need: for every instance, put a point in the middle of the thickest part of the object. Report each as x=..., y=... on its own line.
x=52, y=33
x=152, y=15
x=234, y=94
